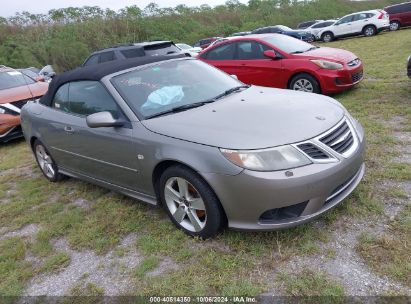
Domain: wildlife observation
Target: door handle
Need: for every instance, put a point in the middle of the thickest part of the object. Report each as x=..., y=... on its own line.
x=69, y=129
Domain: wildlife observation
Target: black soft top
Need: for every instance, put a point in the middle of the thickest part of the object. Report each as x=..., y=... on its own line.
x=98, y=71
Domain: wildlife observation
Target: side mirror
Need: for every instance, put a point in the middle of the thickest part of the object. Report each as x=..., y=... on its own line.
x=102, y=119
x=234, y=76
x=270, y=54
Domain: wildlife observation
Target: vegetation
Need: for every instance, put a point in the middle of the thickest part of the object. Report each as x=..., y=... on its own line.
x=65, y=37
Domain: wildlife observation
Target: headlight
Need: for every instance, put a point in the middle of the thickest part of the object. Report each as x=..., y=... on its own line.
x=328, y=65
x=280, y=158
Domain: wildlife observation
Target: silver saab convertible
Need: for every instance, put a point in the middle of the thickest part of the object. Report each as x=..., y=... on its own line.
x=212, y=151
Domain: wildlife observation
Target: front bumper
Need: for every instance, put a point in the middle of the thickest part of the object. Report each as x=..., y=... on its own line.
x=247, y=196
x=336, y=81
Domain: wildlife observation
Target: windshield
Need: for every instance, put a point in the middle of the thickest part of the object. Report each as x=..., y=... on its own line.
x=288, y=44
x=169, y=84
x=13, y=79
x=161, y=49
x=283, y=28
x=183, y=46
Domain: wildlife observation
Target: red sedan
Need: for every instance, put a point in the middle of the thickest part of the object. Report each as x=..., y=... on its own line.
x=275, y=60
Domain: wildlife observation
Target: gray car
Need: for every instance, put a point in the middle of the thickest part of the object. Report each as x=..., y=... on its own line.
x=176, y=132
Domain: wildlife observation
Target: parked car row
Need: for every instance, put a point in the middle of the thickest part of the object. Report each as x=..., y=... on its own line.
x=367, y=23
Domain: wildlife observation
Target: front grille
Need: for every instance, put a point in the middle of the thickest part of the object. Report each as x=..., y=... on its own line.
x=340, y=139
x=356, y=77
x=354, y=62
x=19, y=104
x=312, y=151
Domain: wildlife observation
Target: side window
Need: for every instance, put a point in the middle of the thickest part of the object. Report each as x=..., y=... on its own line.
x=131, y=53
x=249, y=50
x=346, y=19
x=405, y=8
x=361, y=16
x=107, y=56
x=224, y=52
x=88, y=97
x=319, y=25
x=92, y=60
x=61, y=98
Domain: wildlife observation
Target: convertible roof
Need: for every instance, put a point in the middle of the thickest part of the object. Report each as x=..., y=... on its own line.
x=98, y=71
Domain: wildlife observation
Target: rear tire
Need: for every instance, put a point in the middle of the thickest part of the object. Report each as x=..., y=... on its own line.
x=190, y=202
x=327, y=37
x=394, y=25
x=46, y=163
x=305, y=83
x=369, y=31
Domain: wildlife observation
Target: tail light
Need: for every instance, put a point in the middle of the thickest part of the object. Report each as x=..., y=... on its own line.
x=381, y=16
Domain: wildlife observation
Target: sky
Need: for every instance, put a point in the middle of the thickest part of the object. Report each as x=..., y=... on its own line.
x=9, y=8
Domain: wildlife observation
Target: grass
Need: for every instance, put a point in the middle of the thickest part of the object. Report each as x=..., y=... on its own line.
x=55, y=262
x=235, y=263
x=148, y=264
x=389, y=254
x=314, y=286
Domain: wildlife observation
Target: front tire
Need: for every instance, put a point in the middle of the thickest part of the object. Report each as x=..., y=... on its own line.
x=369, y=31
x=190, y=202
x=46, y=163
x=304, y=83
x=394, y=25
x=327, y=37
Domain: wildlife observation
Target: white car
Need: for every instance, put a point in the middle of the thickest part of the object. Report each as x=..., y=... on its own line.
x=193, y=51
x=367, y=23
x=319, y=26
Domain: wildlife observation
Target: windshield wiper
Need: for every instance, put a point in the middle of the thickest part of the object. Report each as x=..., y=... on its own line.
x=312, y=48
x=181, y=108
x=232, y=90
x=200, y=103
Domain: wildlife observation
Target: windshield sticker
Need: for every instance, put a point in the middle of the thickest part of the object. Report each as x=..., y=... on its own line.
x=14, y=73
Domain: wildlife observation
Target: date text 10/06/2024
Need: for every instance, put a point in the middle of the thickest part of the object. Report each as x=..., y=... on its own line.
x=203, y=299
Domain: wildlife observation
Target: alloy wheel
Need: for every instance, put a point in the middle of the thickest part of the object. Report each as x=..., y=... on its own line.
x=45, y=161
x=369, y=31
x=303, y=85
x=394, y=26
x=327, y=38
x=185, y=204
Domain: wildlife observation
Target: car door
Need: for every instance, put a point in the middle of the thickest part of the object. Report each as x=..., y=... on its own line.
x=223, y=57
x=344, y=26
x=359, y=21
x=254, y=67
x=107, y=154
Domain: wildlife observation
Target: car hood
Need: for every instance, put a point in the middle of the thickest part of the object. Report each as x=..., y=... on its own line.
x=23, y=92
x=255, y=118
x=339, y=55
